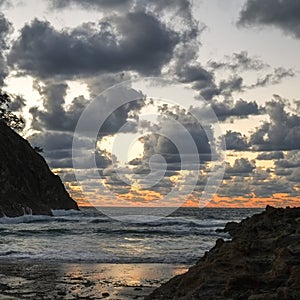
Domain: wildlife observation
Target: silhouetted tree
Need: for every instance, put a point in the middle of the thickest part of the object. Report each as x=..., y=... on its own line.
x=38, y=149
x=8, y=116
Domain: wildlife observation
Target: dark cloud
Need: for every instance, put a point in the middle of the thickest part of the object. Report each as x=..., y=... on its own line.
x=204, y=81
x=281, y=133
x=295, y=176
x=243, y=62
x=238, y=109
x=201, y=79
x=258, y=182
x=270, y=186
x=5, y=30
x=167, y=150
x=282, y=172
x=239, y=62
x=195, y=74
x=102, y=160
x=291, y=160
x=270, y=155
x=232, y=84
x=55, y=116
x=57, y=150
x=56, y=123
x=185, y=65
x=236, y=188
x=100, y=83
x=90, y=4
x=5, y=3
x=282, y=14
x=288, y=166
x=192, y=126
x=236, y=141
x=57, y=147
x=241, y=166
x=235, y=83
x=136, y=41
x=273, y=78
x=50, y=141
x=17, y=103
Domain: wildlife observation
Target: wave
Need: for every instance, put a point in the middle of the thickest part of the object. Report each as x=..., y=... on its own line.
x=139, y=220
x=24, y=219
x=156, y=232
x=91, y=258
x=63, y=212
x=58, y=215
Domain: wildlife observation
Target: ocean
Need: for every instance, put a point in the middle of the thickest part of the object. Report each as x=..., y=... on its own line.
x=89, y=236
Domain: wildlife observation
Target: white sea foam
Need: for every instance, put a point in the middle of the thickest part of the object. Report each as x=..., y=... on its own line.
x=24, y=219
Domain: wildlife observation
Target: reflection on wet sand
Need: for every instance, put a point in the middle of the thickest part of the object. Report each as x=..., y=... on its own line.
x=28, y=280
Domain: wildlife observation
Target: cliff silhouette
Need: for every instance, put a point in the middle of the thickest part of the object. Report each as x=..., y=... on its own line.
x=27, y=185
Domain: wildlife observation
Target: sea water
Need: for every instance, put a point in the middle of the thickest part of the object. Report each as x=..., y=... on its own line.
x=90, y=236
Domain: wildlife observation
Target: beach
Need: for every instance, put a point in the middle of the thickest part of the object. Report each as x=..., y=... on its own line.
x=86, y=255
x=50, y=280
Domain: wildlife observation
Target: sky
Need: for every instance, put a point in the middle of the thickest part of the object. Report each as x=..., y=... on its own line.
x=219, y=128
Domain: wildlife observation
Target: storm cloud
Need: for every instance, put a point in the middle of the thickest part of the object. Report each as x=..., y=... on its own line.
x=241, y=166
x=281, y=14
x=238, y=109
x=90, y=4
x=55, y=116
x=281, y=133
x=236, y=141
x=142, y=43
x=270, y=155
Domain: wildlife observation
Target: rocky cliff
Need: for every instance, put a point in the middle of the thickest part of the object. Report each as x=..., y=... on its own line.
x=262, y=261
x=26, y=183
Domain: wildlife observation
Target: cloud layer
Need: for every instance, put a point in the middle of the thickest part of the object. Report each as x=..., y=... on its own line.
x=137, y=41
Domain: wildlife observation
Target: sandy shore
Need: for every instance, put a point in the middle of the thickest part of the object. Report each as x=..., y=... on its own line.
x=50, y=280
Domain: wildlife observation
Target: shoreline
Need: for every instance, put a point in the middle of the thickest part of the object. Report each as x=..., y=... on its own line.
x=28, y=279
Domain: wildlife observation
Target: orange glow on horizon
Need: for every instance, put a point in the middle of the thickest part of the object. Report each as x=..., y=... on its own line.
x=139, y=198
x=278, y=200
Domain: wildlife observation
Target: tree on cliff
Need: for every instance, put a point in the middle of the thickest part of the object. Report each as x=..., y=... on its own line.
x=7, y=115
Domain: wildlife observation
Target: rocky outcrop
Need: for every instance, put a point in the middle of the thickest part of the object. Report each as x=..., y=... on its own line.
x=26, y=183
x=262, y=261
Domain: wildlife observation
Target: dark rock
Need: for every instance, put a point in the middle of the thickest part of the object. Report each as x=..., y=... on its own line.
x=262, y=261
x=105, y=295
x=26, y=183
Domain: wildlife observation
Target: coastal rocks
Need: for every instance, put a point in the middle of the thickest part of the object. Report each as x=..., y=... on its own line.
x=27, y=186
x=262, y=261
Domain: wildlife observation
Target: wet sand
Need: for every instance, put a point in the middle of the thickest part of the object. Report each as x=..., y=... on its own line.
x=50, y=280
